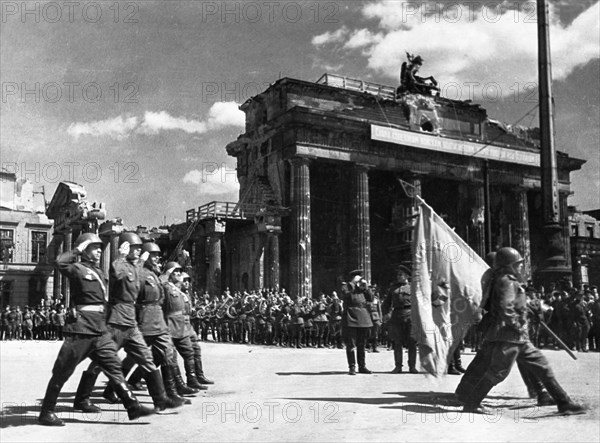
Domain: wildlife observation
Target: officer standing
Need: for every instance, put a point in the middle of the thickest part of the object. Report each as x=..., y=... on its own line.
x=507, y=335
x=356, y=320
x=397, y=307
x=86, y=330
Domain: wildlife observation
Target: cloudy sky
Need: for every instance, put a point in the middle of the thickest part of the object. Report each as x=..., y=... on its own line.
x=137, y=100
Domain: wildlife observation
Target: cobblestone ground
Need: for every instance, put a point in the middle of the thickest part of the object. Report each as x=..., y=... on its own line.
x=281, y=394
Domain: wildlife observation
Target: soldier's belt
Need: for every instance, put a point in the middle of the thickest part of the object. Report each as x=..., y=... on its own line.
x=90, y=308
x=171, y=314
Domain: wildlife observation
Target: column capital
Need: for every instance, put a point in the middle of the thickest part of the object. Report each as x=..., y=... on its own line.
x=301, y=160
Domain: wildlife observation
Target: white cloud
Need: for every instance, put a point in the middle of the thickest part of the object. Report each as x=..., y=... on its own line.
x=361, y=38
x=157, y=121
x=117, y=128
x=213, y=179
x=220, y=115
x=330, y=37
x=223, y=114
x=462, y=44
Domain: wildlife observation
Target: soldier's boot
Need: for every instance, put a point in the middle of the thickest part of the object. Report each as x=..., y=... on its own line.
x=564, y=402
x=200, y=372
x=350, y=356
x=339, y=342
x=412, y=359
x=82, y=400
x=298, y=344
x=452, y=369
x=182, y=388
x=170, y=386
x=135, y=379
x=47, y=416
x=190, y=374
x=540, y=393
x=398, y=357
x=374, y=348
x=361, y=357
x=157, y=391
x=458, y=364
x=131, y=403
x=473, y=401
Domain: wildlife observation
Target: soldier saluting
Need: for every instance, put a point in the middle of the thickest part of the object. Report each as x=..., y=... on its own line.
x=356, y=320
x=86, y=330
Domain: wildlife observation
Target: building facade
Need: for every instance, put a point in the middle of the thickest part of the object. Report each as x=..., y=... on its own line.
x=328, y=176
x=585, y=247
x=26, y=252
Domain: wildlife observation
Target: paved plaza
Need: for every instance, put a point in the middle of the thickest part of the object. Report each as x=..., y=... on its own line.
x=282, y=394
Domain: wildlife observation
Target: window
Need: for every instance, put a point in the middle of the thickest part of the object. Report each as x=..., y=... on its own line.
x=573, y=230
x=39, y=240
x=7, y=245
x=590, y=230
x=5, y=291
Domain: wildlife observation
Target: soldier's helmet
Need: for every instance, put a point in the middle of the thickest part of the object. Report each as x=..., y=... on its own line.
x=88, y=236
x=150, y=247
x=131, y=237
x=170, y=267
x=185, y=276
x=490, y=259
x=507, y=257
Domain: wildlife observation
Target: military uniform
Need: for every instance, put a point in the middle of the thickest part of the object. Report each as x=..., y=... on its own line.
x=125, y=285
x=398, y=303
x=356, y=324
x=507, y=341
x=86, y=336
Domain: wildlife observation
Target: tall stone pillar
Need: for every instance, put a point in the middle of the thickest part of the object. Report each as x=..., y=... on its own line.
x=215, y=231
x=272, y=260
x=57, y=282
x=478, y=221
x=566, y=230
x=360, y=221
x=106, y=257
x=67, y=246
x=300, y=248
x=520, y=224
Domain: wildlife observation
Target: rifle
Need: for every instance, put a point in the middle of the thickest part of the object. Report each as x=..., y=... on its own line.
x=558, y=340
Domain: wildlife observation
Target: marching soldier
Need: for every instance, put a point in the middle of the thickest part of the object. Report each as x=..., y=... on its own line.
x=507, y=340
x=86, y=330
x=174, y=309
x=185, y=288
x=125, y=285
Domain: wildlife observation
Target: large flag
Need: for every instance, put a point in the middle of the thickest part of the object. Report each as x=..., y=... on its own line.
x=445, y=288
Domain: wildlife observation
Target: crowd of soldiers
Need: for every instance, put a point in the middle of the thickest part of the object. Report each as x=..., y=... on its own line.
x=271, y=317
x=44, y=322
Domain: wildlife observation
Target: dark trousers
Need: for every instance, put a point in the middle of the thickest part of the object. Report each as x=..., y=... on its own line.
x=76, y=348
x=132, y=340
x=162, y=350
x=493, y=364
x=356, y=338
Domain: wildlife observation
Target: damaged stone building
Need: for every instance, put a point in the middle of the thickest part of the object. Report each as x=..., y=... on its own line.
x=328, y=172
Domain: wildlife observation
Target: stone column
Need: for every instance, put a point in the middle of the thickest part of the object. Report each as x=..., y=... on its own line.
x=107, y=257
x=57, y=282
x=478, y=220
x=360, y=221
x=566, y=230
x=272, y=260
x=67, y=246
x=215, y=231
x=300, y=250
x=520, y=224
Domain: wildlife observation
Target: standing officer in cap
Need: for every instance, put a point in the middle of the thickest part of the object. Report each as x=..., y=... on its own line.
x=125, y=285
x=86, y=333
x=508, y=340
x=397, y=307
x=356, y=320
